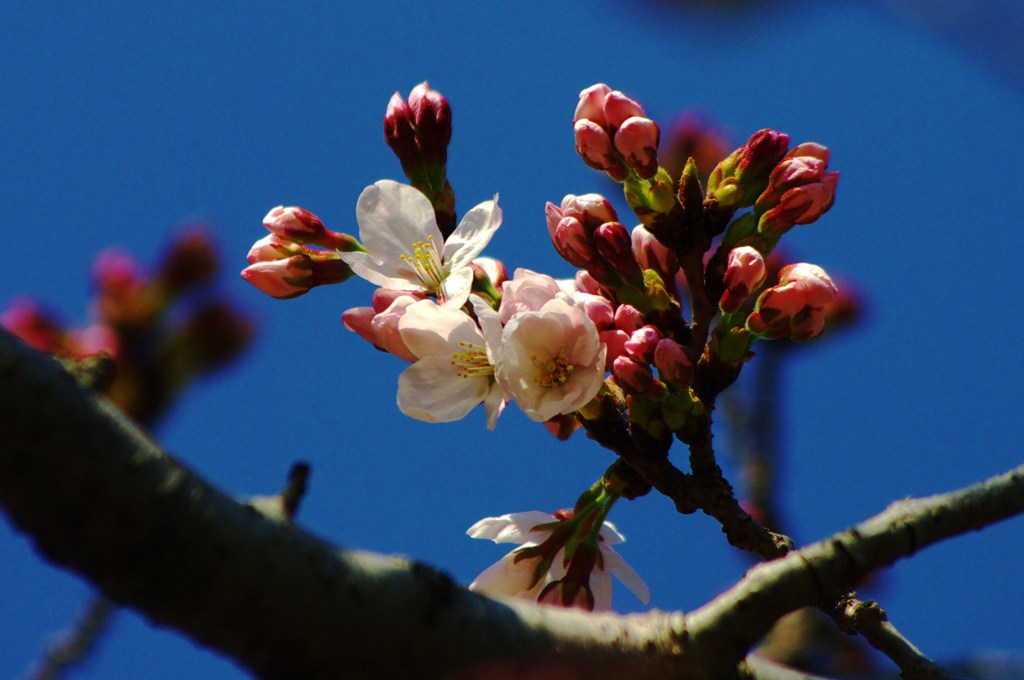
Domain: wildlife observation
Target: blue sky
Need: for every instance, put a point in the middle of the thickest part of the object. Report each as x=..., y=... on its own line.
x=123, y=121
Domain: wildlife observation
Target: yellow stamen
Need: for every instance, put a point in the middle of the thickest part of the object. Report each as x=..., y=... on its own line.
x=472, y=361
x=553, y=371
x=426, y=262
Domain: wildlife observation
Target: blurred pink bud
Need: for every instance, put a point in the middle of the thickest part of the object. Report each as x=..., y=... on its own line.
x=642, y=343
x=744, y=273
x=29, y=322
x=96, y=338
x=673, y=362
x=794, y=308
x=116, y=273
x=615, y=244
x=190, y=260
x=637, y=141
x=628, y=318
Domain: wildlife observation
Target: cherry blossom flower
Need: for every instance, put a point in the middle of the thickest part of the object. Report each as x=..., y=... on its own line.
x=514, y=576
x=406, y=250
x=454, y=368
x=551, y=361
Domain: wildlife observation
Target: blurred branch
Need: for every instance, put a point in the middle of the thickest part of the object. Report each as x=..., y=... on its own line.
x=72, y=645
x=97, y=496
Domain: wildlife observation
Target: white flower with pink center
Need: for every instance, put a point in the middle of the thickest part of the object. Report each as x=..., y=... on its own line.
x=551, y=361
x=454, y=367
x=406, y=250
x=512, y=577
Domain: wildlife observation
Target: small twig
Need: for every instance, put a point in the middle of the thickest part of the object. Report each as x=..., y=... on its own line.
x=294, y=489
x=71, y=646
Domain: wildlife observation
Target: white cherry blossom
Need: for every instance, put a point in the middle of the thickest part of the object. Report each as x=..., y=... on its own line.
x=454, y=367
x=406, y=250
x=551, y=361
x=511, y=578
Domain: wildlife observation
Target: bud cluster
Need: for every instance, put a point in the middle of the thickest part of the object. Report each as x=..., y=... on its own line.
x=161, y=329
x=613, y=135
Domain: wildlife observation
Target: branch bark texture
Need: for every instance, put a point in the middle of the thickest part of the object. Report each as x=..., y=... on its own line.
x=100, y=498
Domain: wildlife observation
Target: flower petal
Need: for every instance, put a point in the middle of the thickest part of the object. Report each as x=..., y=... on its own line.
x=614, y=563
x=472, y=234
x=431, y=390
x=516, y=527
x=430, y=329
x=601, y=588
x=508, y=578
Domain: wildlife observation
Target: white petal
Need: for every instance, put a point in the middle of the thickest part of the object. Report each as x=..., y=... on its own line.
x=490, y=324
x=385, y=275
x=392, y=217
x=456, y=287
x=429, y=329
x=611, y=534
x=494, y=404
x=601, y=587
x=472, y=234
x=430, y=390
x=614, y=563
x=516, y=527
x=508, y=578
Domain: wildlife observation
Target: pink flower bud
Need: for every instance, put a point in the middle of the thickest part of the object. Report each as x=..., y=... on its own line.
x=586, y=283
x=636, y=378
x=615, y=340
x=628, y=318
x=283, y=278
x=594, y=145
x=190, y=260
x=637, y=141
x=591, y=104
x=653, y=254
x=527, y=291
x=618, y=108
x=760, y=155
x=642, y=343
x=794, y=308
x=573, y=242
x=432, y=116
x=271, y=247
x=614, y=243
x=598, y=308
x=673, y=362
x=744, y=273
x=116, y=273
x=300, y=226
x=380, y=328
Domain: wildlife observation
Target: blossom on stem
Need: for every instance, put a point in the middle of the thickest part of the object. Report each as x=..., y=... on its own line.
x=796, y=307
x=454, y=368
x=799, y=190
x=516, y=574
x=405, y=248
x=551, y=361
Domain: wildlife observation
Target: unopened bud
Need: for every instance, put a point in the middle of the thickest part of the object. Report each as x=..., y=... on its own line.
x=594, y=145
x=637, y=141
x=745, y=272
x=300, y=226
x=615, y=244
x=800, y=205
x=190, y=261
x=794, y=308
x=642, y=343
x=673, y=362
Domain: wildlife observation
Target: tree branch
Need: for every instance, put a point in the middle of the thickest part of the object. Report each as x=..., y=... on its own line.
x=100, y=498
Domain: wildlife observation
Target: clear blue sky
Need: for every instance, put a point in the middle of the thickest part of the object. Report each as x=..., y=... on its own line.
x=122, y=121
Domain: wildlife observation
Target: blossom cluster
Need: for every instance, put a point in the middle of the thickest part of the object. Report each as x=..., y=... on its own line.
x=659, y=318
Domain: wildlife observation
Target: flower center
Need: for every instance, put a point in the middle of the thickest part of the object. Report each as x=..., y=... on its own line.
x=471, y=361
x=426, y=263
x=553, y=371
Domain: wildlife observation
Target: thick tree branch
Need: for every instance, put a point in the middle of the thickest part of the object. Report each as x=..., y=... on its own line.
x=100, y=498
